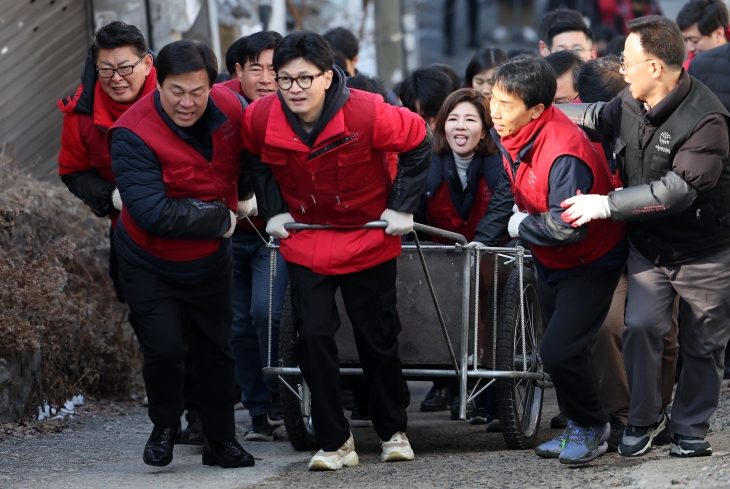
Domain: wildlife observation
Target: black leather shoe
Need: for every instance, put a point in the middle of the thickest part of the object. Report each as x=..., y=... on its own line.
x=276, y=418
x=158, y=450
x=193, y=432
x=227, y=454
x=436, y=400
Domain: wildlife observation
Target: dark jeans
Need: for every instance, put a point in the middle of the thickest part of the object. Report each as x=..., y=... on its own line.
x=168, y=319
x=575, y=308
x=250, y=330
x=370, y=301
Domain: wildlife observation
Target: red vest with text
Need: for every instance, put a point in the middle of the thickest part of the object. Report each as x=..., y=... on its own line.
x=187, y=174
x=343, y=180
x=441, y=213
x=559, y=136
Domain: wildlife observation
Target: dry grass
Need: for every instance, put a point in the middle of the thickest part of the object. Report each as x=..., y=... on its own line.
x=55, y=294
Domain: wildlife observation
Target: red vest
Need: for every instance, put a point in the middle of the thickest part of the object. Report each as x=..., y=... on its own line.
x=441, y=213
x=186, y=172
x=343, y=180
x=234, y=84
x=559, y=136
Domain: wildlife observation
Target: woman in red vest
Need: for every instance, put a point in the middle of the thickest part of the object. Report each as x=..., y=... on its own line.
x=466, y=178
x=176, y=158
x=548, y=158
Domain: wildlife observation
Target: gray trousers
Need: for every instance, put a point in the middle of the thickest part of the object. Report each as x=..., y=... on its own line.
x=704, y=285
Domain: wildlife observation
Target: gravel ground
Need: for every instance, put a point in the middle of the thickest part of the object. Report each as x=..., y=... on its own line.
x=102, y=448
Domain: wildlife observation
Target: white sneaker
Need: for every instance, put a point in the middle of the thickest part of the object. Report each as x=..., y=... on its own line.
x=344, y=457
x=397, y=448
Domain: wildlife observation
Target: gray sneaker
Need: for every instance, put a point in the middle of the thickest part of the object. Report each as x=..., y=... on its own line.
x=637, y=439
x=689, y=446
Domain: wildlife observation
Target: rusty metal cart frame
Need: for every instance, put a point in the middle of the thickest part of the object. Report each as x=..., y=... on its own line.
x=519, y=430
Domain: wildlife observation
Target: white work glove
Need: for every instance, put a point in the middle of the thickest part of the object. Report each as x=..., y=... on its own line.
x=233, y=225
x=584, y=208
x=275, y=226
x=117, y=199
x=513, y=227
x=399, y=223
x=247, y=208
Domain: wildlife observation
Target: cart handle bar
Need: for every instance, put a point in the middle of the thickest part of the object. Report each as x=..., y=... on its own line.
x=422, y=228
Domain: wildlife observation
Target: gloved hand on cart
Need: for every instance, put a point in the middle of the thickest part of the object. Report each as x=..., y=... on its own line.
x=247, y=208
x=117, y=199
x=275, y=226
x=513, y=227
x=399, y=223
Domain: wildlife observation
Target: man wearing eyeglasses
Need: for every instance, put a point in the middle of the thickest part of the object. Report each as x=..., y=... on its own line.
x=670, y=134
x=565, y=30
x=118, y=71
x=318, y=155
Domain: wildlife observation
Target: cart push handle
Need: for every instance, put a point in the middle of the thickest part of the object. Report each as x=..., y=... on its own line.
x=422, y=228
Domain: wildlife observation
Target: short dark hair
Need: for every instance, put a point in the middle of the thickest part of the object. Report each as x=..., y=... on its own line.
x=709, y=15
x=343, y=40
x=186, y=56
x=251, y=47
x=486, y=146
x=529, y=78
x=558, y=21
x=600, y=80
x=117, y=34
x=307, y=45
x=616, y=46
x=231, y=57
x=427, y=86
x=484, y=59
x=563, y=62
x=366, y=83
x=450, y=72
x=660, y=38
x=340, y=60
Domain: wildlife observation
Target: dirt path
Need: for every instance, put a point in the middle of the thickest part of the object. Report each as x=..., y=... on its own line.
x=102, y=449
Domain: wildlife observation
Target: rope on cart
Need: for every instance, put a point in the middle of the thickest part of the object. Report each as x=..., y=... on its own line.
x=436, y=303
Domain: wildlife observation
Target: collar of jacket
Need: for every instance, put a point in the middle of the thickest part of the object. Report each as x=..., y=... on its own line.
x=213, y=117
x=335, y=98
x=520, y=154
x=666, y=106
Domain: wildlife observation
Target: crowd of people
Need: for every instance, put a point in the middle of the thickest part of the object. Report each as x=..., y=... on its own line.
x=614, y=170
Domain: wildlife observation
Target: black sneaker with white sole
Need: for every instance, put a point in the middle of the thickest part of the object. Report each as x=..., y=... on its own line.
x=637, y=440
x=663, y=438
x=617, y=431
x=273, y=411
x=689, y=446
x=261, y=430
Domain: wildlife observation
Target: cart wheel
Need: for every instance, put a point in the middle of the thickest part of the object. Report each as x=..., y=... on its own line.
x=519, y=400
x=298, y=427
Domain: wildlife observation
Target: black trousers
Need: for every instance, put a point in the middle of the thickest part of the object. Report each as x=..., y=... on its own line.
x=370, y=301
x=575, y=308
x=168, y=319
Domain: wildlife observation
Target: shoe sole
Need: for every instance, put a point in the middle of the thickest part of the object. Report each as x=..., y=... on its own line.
x=163, y=463
x=647, y=447
x=280, y=432
x=478, y=420
x=602, y=448
x=677, y=451
x=210, y=461
x=258, y=437
x=547, y=454
x=275, y=423
x=398, y=456
x=350, y=460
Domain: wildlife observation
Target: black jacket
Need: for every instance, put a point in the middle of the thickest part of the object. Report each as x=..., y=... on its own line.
x=675, y=156
x=492, y=227
x=713, y=69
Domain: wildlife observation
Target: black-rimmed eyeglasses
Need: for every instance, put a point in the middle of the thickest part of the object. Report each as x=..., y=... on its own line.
x=304, y=81
x=122, y=70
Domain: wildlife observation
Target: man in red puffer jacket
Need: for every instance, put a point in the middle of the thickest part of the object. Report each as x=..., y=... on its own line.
x=118, y=71
x=318, y=155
